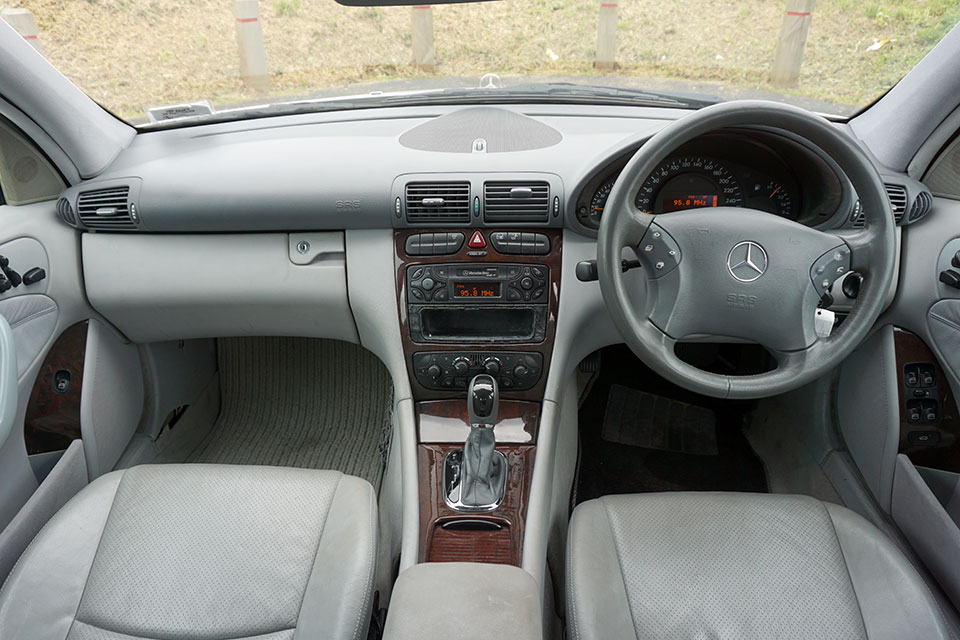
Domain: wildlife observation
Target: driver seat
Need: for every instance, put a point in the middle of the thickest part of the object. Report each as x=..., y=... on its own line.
x=738, y=566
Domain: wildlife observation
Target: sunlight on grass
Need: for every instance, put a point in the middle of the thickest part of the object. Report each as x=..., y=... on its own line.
x=128, y=54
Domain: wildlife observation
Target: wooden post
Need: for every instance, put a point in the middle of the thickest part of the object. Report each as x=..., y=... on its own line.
x=23, y=23
x=424, y=55
x=607, y=37
x=253, y=58
x=792, y=43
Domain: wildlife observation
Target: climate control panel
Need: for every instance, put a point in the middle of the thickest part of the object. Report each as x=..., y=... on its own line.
x=452, y=370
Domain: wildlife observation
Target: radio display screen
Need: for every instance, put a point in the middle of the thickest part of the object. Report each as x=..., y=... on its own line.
x=476, y=289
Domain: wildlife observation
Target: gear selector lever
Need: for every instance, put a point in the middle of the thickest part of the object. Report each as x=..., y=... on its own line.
x=475, y=477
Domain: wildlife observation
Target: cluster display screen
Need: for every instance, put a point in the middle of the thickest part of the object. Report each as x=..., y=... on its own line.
x=476, y=289
x=680, y=202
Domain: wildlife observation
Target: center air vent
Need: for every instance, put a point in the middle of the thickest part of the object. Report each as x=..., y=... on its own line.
x=516, y=201
x=108, y=209
x=437, y=202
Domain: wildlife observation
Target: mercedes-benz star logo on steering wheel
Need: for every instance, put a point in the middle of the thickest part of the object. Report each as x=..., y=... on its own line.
x=747, y=261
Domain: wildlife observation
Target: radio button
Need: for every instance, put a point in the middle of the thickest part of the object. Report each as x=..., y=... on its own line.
x=416, y=274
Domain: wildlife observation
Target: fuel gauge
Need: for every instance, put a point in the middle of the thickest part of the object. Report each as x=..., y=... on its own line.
x=772, y=197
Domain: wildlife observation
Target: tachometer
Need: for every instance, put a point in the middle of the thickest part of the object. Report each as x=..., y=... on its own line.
x=688, y=182
x=599, y=201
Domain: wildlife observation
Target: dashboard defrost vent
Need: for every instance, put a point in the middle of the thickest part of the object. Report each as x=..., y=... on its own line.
x=898, y=200
x=106, y=209
x=437, y=202
x=65, y=211
x=516, y=201
x=921, y=206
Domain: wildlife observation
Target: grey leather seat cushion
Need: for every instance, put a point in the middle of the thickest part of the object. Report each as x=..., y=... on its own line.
x=198, y=552
x=738, y=566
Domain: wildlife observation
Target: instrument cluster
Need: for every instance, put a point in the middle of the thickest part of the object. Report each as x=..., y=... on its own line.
x=724, y=170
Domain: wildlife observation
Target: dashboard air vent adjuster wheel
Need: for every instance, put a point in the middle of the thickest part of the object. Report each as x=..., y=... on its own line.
x=107, y=209
x=65, y=211
x=516, y=201
x=437, y=202
x=921, y=206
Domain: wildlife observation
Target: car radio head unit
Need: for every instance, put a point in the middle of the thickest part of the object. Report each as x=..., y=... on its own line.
x=481, y=283
x=477, y=303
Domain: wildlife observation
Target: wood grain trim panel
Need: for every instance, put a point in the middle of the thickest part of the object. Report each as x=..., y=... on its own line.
x=545, y=348
x=53, y=419
x=945, y=455
x=502, y=547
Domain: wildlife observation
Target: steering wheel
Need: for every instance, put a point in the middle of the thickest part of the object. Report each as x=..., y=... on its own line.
x=743, y=273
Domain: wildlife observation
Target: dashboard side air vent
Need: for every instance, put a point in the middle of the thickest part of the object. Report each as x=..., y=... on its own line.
x=437, y=202
x=65, y=211
x=897, y=195
x=921, y=206
x=109, y=209
x=516, y=201
x=898, y=199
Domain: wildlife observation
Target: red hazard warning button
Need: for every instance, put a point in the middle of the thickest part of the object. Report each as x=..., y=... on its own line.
x=477, y=241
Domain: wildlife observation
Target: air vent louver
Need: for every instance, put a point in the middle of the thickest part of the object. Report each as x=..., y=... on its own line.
x=921, y=206
x=106, y=209
x=516, y=201
x=65, y=211
x=437, y=202
x=898, y=200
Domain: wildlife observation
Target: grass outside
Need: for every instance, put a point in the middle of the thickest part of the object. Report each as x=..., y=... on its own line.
x=130, y=54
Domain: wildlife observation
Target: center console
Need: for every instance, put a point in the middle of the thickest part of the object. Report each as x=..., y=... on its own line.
x=476, y=302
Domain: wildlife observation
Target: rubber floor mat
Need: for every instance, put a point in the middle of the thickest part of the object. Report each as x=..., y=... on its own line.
x=640, y=419
x=298, y=402
x=611, y=467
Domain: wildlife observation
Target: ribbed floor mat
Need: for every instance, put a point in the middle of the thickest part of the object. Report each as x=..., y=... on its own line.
x=296, y=402
x=642, y=419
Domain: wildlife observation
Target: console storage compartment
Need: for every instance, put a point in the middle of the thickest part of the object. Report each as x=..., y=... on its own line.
x=439, y=601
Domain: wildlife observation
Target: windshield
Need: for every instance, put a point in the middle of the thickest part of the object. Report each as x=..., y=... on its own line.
x=238, y=58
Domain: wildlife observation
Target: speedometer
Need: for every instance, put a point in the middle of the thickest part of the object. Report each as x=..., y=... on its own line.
x=688, y=182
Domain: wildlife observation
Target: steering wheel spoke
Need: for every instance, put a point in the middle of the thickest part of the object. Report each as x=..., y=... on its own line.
x=740, y=273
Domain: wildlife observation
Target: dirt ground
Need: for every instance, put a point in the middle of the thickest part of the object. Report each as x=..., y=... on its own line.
x=129, y=54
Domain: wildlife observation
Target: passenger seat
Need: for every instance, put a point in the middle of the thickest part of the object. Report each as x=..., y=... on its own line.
x=200, y=551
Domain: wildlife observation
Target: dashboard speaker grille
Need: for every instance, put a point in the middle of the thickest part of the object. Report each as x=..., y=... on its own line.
x=437, y=202
x=107, y=209
x=516, y=201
